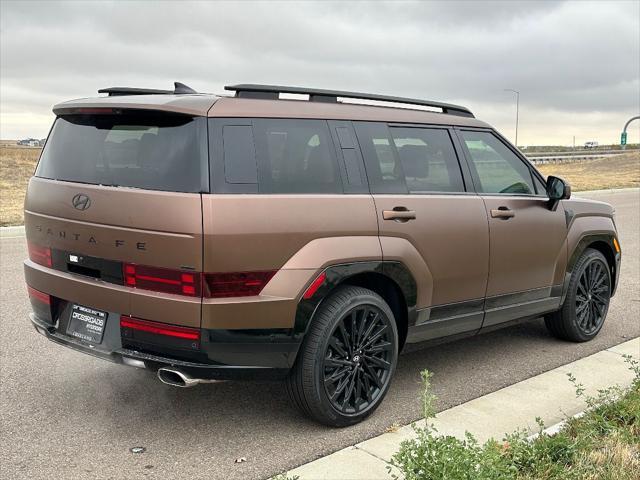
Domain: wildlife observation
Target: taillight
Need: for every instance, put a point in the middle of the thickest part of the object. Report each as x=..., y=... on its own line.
x=39, y=296
x=179, y=282
x=158, y=328
x=237, y=284
x=162, y=280
x=38, y=254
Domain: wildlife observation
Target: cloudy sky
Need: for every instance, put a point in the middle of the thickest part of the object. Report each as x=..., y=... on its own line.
x=576, y=64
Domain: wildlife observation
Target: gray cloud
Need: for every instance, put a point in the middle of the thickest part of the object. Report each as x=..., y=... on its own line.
x=577, y=59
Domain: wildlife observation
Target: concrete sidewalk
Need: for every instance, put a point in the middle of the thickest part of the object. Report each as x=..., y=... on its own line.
x=549, y=396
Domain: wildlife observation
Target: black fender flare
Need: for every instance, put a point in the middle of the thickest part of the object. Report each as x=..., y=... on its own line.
x=397, y=272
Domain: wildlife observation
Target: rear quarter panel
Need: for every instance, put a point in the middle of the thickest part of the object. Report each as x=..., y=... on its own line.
x=298, y=235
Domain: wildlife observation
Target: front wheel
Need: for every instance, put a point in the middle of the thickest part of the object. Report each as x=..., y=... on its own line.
x=587, y=302
x=345, y=365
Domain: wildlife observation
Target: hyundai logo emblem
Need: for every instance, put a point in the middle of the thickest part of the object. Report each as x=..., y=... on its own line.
x=81, y=201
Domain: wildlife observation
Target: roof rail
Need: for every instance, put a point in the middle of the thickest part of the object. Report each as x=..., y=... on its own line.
x=272, y=92
x=179, y=88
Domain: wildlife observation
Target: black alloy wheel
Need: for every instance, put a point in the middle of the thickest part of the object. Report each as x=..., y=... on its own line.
x=346, y=362
x=592, y=297
x=358, y=359
x=585, y=307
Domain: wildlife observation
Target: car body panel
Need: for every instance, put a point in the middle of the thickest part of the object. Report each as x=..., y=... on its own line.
x=297, y=235
x=452, y=270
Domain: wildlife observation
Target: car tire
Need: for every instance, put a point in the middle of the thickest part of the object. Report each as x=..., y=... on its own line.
x=585, y=307
x=347, y=360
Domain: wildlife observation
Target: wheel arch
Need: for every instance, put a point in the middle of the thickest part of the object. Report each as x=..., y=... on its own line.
x=391, y=280
x=602, y=242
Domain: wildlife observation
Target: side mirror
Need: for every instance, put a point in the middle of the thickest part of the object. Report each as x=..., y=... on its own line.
x=557, y=189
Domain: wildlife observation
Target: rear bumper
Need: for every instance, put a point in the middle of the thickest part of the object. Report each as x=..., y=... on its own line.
x=153, y=362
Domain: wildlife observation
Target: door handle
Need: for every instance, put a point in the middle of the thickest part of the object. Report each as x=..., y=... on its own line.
x=502, y=212
x=399, y=214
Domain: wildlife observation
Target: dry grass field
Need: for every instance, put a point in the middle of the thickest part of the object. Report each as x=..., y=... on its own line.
x=17, y=165
x=612, y=172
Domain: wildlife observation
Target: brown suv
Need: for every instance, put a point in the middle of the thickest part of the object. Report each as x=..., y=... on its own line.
x=210, y=237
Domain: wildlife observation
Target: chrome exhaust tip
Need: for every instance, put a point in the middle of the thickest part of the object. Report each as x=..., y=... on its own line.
x=176, y=378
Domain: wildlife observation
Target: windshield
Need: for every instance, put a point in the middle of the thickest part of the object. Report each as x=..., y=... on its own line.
x=150, y=150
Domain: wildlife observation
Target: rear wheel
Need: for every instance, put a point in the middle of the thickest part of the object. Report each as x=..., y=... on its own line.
x=585, y=307
x=345, y=365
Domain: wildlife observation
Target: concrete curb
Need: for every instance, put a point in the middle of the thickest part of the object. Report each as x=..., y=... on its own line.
x=549, y=396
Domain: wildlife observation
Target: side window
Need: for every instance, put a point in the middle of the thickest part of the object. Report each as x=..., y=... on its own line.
x=239, y=154
x=498, y=169
x=427, y=160
x=296, y=156
x=409, y=160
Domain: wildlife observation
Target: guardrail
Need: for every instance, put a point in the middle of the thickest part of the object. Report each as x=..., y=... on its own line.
x=568, y=159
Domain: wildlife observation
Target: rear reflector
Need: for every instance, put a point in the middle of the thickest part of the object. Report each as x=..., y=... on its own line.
x=157, y=328
x=38, y=254
x=39, y=296
x=162, y=280
x=237, y=284
x=315, y=285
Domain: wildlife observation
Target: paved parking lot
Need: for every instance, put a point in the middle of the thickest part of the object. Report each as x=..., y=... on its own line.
x=67, y=415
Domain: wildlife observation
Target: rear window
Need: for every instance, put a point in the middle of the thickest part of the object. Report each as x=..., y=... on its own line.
x=150, y=150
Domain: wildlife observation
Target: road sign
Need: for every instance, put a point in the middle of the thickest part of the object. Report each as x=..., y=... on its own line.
x=623, y=138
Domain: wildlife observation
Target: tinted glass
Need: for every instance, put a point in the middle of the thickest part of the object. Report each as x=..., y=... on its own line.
x=380, y=158
x=296, y=156
x=427, y=160
x=498, y=169
x=141, y=150
x=541, y=188
x=239, y=154
x=409, y=160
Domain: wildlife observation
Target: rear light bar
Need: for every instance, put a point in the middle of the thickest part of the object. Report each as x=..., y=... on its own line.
x=39, y=296
x=40, y=255
x=195, y=284
x=93, y=111
x=162, y=280
x=158, y=328
x=237, y=284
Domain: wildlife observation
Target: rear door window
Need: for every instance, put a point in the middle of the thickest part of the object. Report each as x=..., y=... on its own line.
x=149, y=150
x=409, y=159
x=427, y=160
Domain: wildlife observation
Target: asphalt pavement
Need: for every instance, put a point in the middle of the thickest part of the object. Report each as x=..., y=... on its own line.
x=67, y=415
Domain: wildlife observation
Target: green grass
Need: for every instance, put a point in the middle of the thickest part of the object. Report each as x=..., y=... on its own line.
x=603, y=444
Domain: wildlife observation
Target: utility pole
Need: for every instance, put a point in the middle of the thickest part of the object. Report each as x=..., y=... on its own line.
x=517, y=109
x=574, y=142
x=623, y=136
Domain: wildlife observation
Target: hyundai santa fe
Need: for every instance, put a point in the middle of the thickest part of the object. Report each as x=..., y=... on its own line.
x=253, y=235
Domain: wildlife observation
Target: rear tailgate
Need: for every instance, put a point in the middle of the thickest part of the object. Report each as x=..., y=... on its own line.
x=160, y=229
x=115, y=188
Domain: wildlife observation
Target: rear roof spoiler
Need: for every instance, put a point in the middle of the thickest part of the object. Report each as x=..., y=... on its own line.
x=179, y=89
x=272, y=92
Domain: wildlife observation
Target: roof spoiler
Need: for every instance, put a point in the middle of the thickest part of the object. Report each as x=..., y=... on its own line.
x=272, y=92
x=179, y=89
